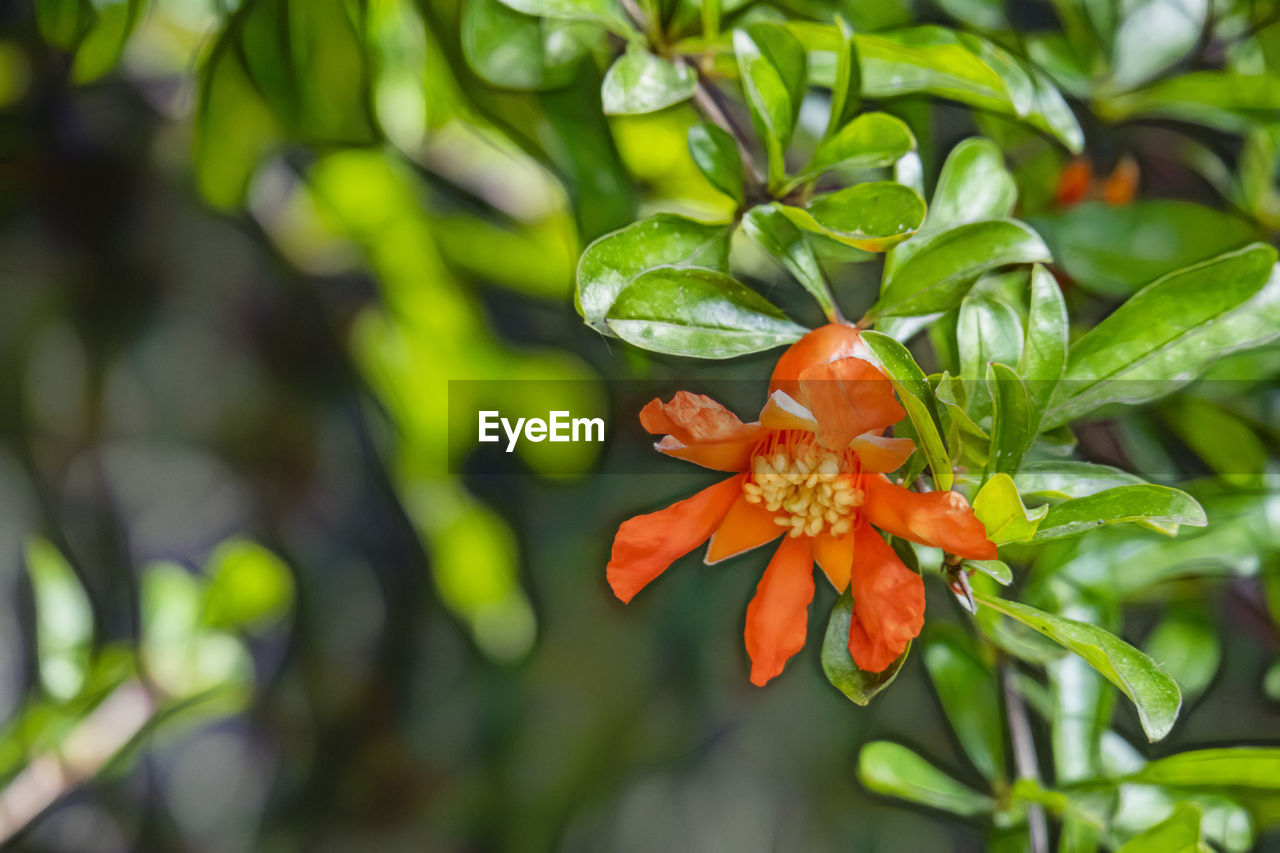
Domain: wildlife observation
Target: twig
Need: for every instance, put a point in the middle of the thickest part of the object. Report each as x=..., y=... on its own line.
x=1024, y=757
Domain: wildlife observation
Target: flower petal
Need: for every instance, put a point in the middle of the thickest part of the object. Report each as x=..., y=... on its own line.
x=823, y=344
x=888, y=603
x=746, y=526
x=695, y=419
x=781, y=411
x=717, y=455
x=647, y=544
x=848, y=397
x=880, y=453
x=941, y=519
x=779, y=613
x=834, y=554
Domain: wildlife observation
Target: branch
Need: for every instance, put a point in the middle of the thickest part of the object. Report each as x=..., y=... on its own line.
x=1024, y=758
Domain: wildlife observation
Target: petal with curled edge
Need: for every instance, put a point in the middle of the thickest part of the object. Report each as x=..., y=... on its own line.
x=716, y=455
x=849, y=397
x=882, y=453
x=941, y=519
x=695, y=419
x=781, y=411
x=888, y=603
x=834, y=555
x=779, y=613
x=646, y=545
x=746, y=526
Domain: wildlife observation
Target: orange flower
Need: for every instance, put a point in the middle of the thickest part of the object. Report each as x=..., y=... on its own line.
x=811, y=468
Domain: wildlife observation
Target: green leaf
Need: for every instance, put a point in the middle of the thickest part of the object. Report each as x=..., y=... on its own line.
x=970, y=697
x=937, y=61
x=639, y=82
x=1186, y=644
x=249, y=587
x=517, y=51
x=999, y=507
x=102, y=44
x=769, y=227
x=1055, y=479
x=605, y=12
x=1230, y=102
x=974, y=185
x=1081, y=706
x=615, y=260
x=997, y=570
x=1012, y=427
x=64, y=620
x=892, y=769
x=871, y=216
x=1044, y=353
x=859, y=685
x=1158, y=505
x=1180, y=833
x=1112, y=250
x=988, y=330
x=772, y=66
x=939, y=273
x=716, y=156
x=917, y=398
x=1238, y=767
x=1171, y=330
x=1152, y=691
x=63, y=22
x=701, y=313
x=868, y=141
x=846, y=87
x=1221, y=438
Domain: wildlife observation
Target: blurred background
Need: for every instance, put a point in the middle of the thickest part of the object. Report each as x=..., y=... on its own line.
x=253, y=597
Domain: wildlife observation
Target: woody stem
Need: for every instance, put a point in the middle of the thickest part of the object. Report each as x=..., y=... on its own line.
x=1024, y=757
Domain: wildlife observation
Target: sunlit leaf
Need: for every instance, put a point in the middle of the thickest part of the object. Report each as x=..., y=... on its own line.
x=1149, y=503
x=64, y=620
x=1220, y=99
x=1180, y=833
x=249, y=586
x=871, y=216
x=1012, y=422
x=917, y=398
x=517, y=51
x=772, y=66
x=640, y=82
x=846, y=86
x=1044, y=353
x=769, y=227
x=700, y=313
x=1165, y=334
x=868, y=141
x=999, y=507
x=612, y=262
x=1152, y=691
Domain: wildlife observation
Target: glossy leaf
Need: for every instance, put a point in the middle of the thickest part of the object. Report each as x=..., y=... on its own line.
x=64, y=620
x=970, y=696
x=868, y=141
x=612, y=262
x=974, y=185
x=917, y=398
x=1219, y=99
x=940, y=272
x=517, y=51
x=1241, y=767
x=606, y=12
x=1081, y=707
x=997, y=570
x=837, y=663
x=988, y=330
x=871, y=216
x=999, y=507
x=1171, y=330
x=1012, y=421
x=640, y=82
x=772, y=67
x=846, y=86
x=1152, y=691
x=716, y=156
x=769, y=227
x=701, y=313
x=1044, y=352
x=1159, y=505
x=1153, y=35
x=1068, y=478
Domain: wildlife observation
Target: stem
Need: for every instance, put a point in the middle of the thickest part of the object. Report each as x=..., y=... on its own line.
x=705, y=100
x=1024, y=757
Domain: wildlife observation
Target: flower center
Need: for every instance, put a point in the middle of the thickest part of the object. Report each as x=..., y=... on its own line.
x=810, y=488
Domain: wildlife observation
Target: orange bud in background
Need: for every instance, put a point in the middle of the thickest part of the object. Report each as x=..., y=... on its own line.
x=1122, y=184
x=1073, y=182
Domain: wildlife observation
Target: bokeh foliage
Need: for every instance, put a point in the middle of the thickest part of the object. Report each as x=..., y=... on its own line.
x=251, y=242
